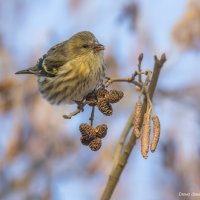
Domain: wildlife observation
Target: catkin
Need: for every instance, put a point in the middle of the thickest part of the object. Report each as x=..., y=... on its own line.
x=156, y=132
x=146, y=128
x=137, y=119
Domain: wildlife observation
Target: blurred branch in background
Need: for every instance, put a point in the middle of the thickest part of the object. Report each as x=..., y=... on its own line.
x=187, y=30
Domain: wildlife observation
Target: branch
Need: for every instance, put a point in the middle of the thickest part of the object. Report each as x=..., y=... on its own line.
x=129, y=124
x=92, y=116
x=128, y=80
x=77, y=111
x=116, y=171
x=122, y=140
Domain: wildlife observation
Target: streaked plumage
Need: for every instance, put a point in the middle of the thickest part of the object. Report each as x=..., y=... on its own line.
x=71, y=69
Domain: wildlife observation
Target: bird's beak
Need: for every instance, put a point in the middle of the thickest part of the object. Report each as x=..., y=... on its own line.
x=98, y=47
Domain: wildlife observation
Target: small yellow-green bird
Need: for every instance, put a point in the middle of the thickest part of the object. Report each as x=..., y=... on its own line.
x=70, y=70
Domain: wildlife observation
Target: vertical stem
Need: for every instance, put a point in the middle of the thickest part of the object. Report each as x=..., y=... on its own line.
x=92, y=116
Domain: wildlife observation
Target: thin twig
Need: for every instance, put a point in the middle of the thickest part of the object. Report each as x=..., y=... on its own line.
x=128, y=80
x=116, y=171
x=78, y=110
x=92, y=116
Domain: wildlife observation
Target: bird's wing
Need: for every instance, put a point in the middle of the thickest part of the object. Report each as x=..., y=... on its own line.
x=50, y=62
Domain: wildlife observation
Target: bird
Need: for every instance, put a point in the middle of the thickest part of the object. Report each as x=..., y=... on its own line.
x=70, y=70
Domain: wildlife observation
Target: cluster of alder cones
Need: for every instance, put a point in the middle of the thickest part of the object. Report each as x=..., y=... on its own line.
x=91, y=136
x=146, y=128
x=103, y=99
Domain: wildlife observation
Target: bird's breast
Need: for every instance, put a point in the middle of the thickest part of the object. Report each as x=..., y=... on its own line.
x=74, y=81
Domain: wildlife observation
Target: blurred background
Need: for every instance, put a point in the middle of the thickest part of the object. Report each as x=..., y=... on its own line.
x=41, y=157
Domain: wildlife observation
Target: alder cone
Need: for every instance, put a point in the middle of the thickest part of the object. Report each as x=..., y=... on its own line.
x=101, y=92
x=85, y=128
x=91, y=99
x=101, y=130
x=87, y=132
x=95, y=144
x=114, y=96
x=91, y=102
x=85, y=141
x=105, y=107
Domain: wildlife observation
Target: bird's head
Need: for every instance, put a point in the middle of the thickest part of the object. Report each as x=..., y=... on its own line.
x=84, y=43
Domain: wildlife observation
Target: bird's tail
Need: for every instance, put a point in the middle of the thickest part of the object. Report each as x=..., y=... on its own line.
x=32, y=70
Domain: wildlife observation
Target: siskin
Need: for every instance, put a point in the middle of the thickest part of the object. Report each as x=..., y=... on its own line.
x=70, y=70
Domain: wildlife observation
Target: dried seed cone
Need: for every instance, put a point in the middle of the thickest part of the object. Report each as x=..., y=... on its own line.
x=156, y=132
x=137, y=118
x=101, y=130
x=85, y=141
x=105, y=107
x=91, y=102
x=101, y=92
x=114, y=96
x=146, y=128
x=87, y=132
x=91, y=99
x=95, y=144
x=85, y=128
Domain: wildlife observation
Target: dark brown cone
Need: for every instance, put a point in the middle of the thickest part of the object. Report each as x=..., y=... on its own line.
x=101, y=130
x=84, y=128
x=85, y=141
x=87, y=131
x=101, y=92
x=105, y=107
x=91, y=99
x=95, y=144
x=114, y=96
x=91, y=102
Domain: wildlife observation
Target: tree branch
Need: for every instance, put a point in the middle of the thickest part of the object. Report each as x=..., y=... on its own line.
x=128, y=80
x=117, y=170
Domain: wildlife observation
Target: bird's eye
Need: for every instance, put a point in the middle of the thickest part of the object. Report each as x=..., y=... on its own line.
x=85, y=46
